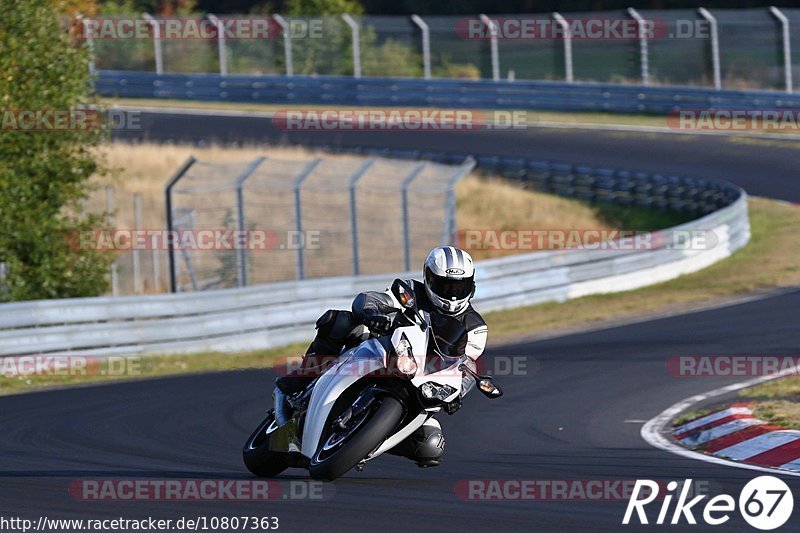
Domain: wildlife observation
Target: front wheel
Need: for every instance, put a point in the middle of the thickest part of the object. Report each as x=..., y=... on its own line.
x=344, y=447
x=258, y=458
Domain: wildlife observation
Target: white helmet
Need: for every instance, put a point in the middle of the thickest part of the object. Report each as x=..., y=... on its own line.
x=449, y=275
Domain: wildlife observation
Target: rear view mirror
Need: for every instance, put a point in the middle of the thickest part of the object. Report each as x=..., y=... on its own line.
x=486, y=384
x=489, y=387
x=404, y=294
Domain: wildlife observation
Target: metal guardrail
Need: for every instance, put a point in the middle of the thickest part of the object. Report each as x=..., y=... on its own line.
x=275, y=314
x=445, y=93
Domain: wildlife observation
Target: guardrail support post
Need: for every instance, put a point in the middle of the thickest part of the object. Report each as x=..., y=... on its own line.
x=156, y=42
x=492, y=28
x=354, y=212
x=137, y=262
x=173, y=287
x=426, y=44
x=644, y=55
x=223, y=58
x=449, y=230
x=406, y=225
x=241, y=253
x=567, y=45
x=712, y=21
x=356, y=44
x=298, y=213
x=287, y=43
x=787, y=47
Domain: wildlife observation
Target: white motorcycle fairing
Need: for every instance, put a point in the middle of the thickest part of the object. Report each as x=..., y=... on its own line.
x=368, y=357
x=352, y=365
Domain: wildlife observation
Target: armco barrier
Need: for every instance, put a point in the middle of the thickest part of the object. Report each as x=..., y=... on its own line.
x=445, y=93
x=271, y=315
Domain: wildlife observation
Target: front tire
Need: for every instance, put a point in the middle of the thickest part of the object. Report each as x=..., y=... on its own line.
x=258, y=458
x=371, y=433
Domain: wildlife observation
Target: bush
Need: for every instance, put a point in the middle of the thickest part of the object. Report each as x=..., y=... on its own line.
x=44, y=173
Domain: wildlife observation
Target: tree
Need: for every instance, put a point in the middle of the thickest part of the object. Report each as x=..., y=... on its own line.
x=44, y=170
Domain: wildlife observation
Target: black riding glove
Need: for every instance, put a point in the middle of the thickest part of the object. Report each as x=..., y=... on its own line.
x=377, y=323
x=453, y=406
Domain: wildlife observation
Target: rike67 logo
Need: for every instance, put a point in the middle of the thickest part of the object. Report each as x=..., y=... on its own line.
x=765, y=503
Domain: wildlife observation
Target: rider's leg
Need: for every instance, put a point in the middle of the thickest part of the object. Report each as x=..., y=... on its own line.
x=336, y=329
x=425, y=446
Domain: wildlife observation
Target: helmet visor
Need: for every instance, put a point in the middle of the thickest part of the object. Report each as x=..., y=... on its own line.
x=449, y=288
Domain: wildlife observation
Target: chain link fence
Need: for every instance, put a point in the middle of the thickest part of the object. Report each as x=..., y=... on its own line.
x=732, y=48
x=305, y=218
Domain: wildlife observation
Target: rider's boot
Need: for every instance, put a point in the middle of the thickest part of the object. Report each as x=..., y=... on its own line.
x=425, y=446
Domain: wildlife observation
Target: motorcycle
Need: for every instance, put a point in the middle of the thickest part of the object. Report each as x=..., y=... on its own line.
x=372, y=398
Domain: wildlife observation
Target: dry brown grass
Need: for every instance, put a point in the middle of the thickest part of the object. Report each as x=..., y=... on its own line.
x=482, y=203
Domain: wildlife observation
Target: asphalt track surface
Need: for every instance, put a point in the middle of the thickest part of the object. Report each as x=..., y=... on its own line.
x=763, y=167
x=575, y=414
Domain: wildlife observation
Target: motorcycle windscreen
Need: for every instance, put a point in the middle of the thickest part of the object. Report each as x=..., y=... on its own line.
x=449, y=337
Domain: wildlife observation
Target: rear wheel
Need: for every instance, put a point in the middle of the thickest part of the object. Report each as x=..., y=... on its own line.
x=345, y=444
x=258, y=458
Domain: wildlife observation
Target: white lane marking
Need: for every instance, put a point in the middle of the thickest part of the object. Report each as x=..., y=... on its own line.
x=720, y=431
x=710, y=418
x=757, y=445
x=654, y=432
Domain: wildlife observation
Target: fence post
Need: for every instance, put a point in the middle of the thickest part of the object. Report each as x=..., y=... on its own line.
x=298, y=212
x=241, y=252
x=492, y=27
x=644, y=55
x=426, y=44
x=112, y=270
x=356, y=44
x=156, y=42
x=406, y=226
x=567, y=45
x=714, y=45
x=360, y=171
x=223, y=58
x=168, y=207
x=136, y=257
x=449, y=231
x=287, y=43
x=88, y=36
x=787, y=47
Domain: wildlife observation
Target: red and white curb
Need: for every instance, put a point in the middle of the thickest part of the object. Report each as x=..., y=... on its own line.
x=658, y=430
x=735, y=434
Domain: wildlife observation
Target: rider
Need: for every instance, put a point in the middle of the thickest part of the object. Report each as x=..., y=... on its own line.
x=446, y=290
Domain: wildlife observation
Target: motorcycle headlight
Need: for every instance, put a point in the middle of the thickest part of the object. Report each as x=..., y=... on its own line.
x=434, y=391
x=405, y=360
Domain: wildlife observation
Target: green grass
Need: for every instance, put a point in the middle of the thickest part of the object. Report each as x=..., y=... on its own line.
x=691, y=415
